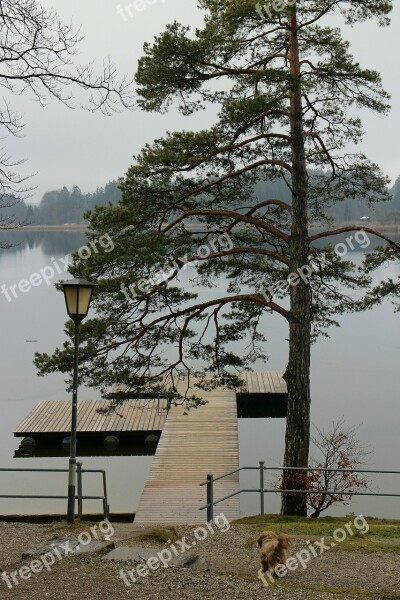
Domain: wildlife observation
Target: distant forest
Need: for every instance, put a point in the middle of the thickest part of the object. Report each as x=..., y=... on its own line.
x=64, y=206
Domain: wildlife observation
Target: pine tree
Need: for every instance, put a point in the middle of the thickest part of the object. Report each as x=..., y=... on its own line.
x=288, y=93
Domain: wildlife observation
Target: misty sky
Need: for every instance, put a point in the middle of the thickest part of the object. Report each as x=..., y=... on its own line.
x=67, y=147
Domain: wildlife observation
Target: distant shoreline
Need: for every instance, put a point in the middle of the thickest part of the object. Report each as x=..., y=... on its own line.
x=67, y=227
x=81, y=227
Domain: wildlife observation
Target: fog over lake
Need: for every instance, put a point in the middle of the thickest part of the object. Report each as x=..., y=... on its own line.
x=355, y=374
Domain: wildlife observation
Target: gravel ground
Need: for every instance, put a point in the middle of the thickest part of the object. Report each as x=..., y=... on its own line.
x=16, y=538
x=229, y=566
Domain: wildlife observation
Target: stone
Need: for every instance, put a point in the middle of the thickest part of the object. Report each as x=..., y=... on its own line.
x=131, y=554
x=191, y=561
x=94, y=546
x=68, y=547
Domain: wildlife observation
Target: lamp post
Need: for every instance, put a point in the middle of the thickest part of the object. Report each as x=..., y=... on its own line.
x=78, y=294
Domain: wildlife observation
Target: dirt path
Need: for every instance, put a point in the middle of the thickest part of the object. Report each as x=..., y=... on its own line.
x=226, y=567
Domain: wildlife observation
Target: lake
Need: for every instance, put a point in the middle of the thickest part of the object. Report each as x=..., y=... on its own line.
x=355, y=374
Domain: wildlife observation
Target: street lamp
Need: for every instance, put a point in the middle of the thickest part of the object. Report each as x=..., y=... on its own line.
x=77, y=294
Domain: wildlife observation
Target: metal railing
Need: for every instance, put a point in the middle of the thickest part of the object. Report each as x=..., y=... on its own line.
x=262, y=490
x=80, y=497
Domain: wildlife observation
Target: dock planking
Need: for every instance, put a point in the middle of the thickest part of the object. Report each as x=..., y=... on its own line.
x=54, y=416
x=203, y=441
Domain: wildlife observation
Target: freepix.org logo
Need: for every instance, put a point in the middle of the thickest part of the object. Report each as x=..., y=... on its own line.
x=163, y=273
x=58, y=266
x=174, y=550
x=315, y=549
x=104, y=530
x=274, y=7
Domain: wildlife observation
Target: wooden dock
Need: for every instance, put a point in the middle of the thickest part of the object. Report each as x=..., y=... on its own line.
x=261, y=393
x=49, y=423
x=54, y=417
x=203, y=441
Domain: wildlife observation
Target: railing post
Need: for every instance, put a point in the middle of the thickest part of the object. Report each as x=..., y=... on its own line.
x=262, y=487
x=210, y=498
x=79, y=482
x=105, y=500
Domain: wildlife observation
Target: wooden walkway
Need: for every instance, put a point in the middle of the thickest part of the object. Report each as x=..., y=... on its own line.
x=203, y=441
x=264, y=383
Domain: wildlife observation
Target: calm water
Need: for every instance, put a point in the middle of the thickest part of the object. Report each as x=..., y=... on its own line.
x=356, y=373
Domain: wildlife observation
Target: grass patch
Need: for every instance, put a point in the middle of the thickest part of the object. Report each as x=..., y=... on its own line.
x=359, y=593
x=250, y=542
x=160, y=534
x=73, y=530
x=377, y=539
x=322, y=526
x=75, y=527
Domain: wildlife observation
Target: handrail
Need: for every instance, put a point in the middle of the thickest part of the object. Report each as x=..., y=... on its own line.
x=229, y=473
x=261, y=490
x=80, y=496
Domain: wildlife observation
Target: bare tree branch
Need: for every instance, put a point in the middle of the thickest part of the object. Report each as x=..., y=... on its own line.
x=37, y=57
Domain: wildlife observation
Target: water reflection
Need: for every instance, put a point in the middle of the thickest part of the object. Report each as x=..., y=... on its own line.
x=355, y=373
x=64, y=242
x=50, y=242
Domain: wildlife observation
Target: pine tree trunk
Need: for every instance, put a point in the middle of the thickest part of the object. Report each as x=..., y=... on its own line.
x=297, y=374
